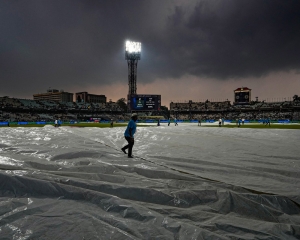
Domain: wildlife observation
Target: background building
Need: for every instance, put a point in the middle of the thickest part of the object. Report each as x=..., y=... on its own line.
x=90, y=98
x=54, y=95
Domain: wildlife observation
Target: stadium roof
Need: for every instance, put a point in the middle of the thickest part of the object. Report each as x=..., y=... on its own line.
x=242, y=89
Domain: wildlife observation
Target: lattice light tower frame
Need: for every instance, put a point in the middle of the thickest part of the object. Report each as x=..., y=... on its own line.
x=132, y=55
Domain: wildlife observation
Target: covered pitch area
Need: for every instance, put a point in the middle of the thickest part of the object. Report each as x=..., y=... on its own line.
x=185, y=182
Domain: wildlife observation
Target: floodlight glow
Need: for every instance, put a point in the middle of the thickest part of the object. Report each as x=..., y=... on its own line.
x=133, y=47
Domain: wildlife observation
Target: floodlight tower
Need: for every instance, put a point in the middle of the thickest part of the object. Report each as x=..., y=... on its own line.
x=132, y=55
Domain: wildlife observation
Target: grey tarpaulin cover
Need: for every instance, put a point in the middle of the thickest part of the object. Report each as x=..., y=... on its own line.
x=186, y=182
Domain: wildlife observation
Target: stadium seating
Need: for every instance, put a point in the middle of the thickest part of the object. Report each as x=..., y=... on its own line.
x=29, y=103
x=49, y=104
x=13, y=109
x=46, y=117
x=9, y=102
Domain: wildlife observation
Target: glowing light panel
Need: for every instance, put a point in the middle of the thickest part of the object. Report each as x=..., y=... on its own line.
x=133, y=47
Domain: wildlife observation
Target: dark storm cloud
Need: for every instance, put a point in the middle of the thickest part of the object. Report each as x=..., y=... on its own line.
x=60, y=43
x=234, y=38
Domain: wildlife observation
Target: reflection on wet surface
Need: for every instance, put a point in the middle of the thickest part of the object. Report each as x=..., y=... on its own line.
x=10, y=161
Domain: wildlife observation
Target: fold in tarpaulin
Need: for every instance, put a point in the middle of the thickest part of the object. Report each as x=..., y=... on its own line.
x=185, y=182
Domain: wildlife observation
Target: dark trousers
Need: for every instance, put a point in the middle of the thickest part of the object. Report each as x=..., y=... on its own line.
x=129, y=145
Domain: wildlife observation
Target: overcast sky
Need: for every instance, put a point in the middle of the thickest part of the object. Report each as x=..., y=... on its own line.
x=191, y=50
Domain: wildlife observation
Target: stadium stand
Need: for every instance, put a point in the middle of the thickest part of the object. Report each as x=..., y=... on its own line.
x=13, y=109
x=29, y=103
x=254, y=111
x=48, y=104
x=9, y=102
x=274, y=116
x=45, y=117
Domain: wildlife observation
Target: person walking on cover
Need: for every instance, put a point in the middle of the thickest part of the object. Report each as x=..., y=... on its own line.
x=175, y=121
x=59, y=122
x=199, y=121
x=129, y=135
x=268, y=121
x=169, y=122
x=239, y=122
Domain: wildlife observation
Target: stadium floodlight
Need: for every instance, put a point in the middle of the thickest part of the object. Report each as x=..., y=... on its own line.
x=133, y=47
x=132, y=55
x=133, y=50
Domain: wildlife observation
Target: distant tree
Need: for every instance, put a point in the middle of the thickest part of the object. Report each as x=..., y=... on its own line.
x=295, y=97
x=122, y=104
x=165, y=110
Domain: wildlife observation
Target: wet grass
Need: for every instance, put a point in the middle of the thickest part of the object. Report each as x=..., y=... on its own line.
x=99, y=125
x=262, y=126
x=107, y=125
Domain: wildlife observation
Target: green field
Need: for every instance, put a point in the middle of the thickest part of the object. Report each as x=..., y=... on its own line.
x=262, y=126
x=106, y=125
x=99, y=125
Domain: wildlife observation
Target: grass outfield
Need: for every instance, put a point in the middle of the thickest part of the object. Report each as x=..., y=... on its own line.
x=273, y=126
x=106, y=125
x=99, y=125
